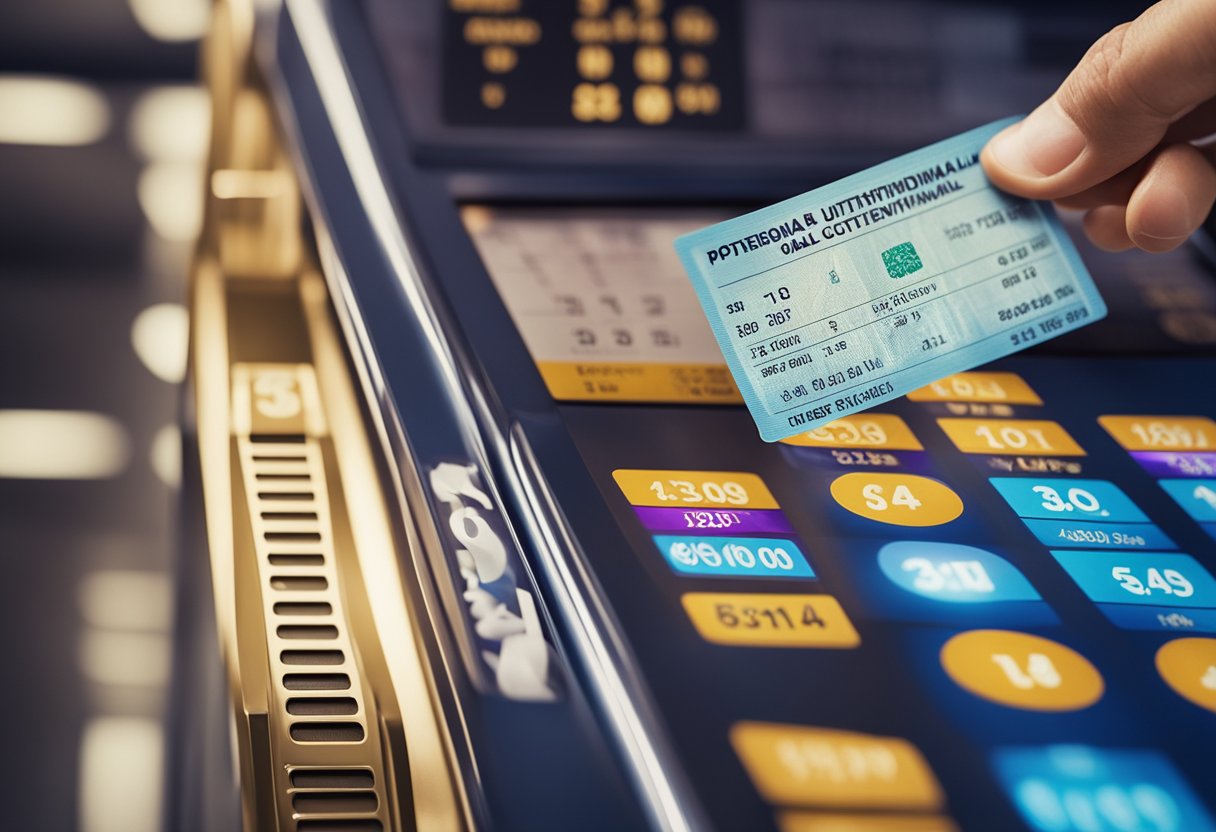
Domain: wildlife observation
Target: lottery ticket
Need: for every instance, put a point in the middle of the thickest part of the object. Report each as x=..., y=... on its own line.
x=885, y=281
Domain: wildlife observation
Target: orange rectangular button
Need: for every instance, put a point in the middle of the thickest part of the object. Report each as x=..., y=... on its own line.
x=770, y=620
x=863, y=430
x=640, y=381
x=709, y=489
x=1010, y=436
x=1161, y=433
x=793, y=765
x=1003, y=388
x=833, y=822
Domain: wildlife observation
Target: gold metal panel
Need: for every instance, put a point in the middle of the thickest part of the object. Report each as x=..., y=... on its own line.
x=335, y=710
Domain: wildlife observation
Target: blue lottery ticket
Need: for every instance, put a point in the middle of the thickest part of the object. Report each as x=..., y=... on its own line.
x=868, y=288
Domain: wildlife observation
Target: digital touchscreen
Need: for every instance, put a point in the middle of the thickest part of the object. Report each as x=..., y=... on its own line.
x=989, y=605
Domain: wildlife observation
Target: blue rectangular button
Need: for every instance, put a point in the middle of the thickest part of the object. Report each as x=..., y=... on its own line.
x=1077, y=788
x=1156, y=578
x=1099, y=535
x=1197, y=497
x=1066, y=498
x=765, y=557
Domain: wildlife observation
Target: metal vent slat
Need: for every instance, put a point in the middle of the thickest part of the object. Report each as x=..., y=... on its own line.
x=317, y=731
x=316, y=681
x=352, y=825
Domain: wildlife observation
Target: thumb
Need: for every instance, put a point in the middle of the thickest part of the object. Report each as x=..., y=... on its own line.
x=1115, y=107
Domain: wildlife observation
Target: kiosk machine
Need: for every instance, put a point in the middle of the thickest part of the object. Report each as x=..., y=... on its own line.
x=481, y=537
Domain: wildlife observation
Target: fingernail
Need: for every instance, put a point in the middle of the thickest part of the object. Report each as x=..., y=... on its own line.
x=1042, y=144
x=1165, y=215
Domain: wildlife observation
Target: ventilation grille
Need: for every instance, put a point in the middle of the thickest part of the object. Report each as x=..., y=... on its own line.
x=334, y=799
x=289, y=510
x=325, y=750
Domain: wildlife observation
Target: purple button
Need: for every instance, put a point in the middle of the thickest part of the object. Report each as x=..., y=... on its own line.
x=1181, y=464
x=714, y=520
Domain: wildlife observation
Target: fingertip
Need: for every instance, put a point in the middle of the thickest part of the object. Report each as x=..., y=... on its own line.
x=1013, y=182
x=1106, y=227
x=1036, y=156
x=993, y=164
x=1172, y=199
x=996, y=158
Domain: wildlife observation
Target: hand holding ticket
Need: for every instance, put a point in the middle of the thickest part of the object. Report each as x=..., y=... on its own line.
x=883, y=282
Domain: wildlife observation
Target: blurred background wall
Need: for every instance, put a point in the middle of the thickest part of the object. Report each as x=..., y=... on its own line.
x=102, y=131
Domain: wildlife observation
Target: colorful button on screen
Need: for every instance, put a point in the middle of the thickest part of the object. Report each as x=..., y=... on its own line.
x=1197, y=497
x=1059, y=497
x=1020, y=670
x=1168, y=446
x=1010, y=436
x=885, y=822
x=734, y=556
x=954, y=573
x=1176, y=463
x=898, y=499
x=1081, y=789
x=869, y=430
x=713, y=520
x=1140, y=578
x=1162, y=433
x=770, y=620
x=701, y=489
x=994, y=388
x=793, y=765
x=1188, y=666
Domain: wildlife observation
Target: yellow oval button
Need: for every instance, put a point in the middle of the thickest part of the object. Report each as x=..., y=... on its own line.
x=899, y=499
x=1022, y=671
x=1188, y=665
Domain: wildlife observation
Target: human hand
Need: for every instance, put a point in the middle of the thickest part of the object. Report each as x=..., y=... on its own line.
x=1114, y=139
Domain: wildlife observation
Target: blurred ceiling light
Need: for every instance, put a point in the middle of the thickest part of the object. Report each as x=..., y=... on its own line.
x=159, y=335
x=61, y=445
x=167, y=455
x=172, y=20
x=171, y=123
x=44, y=110
x=130, y=659
x=171, y=196
x=127, y=599
x=121, y=763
